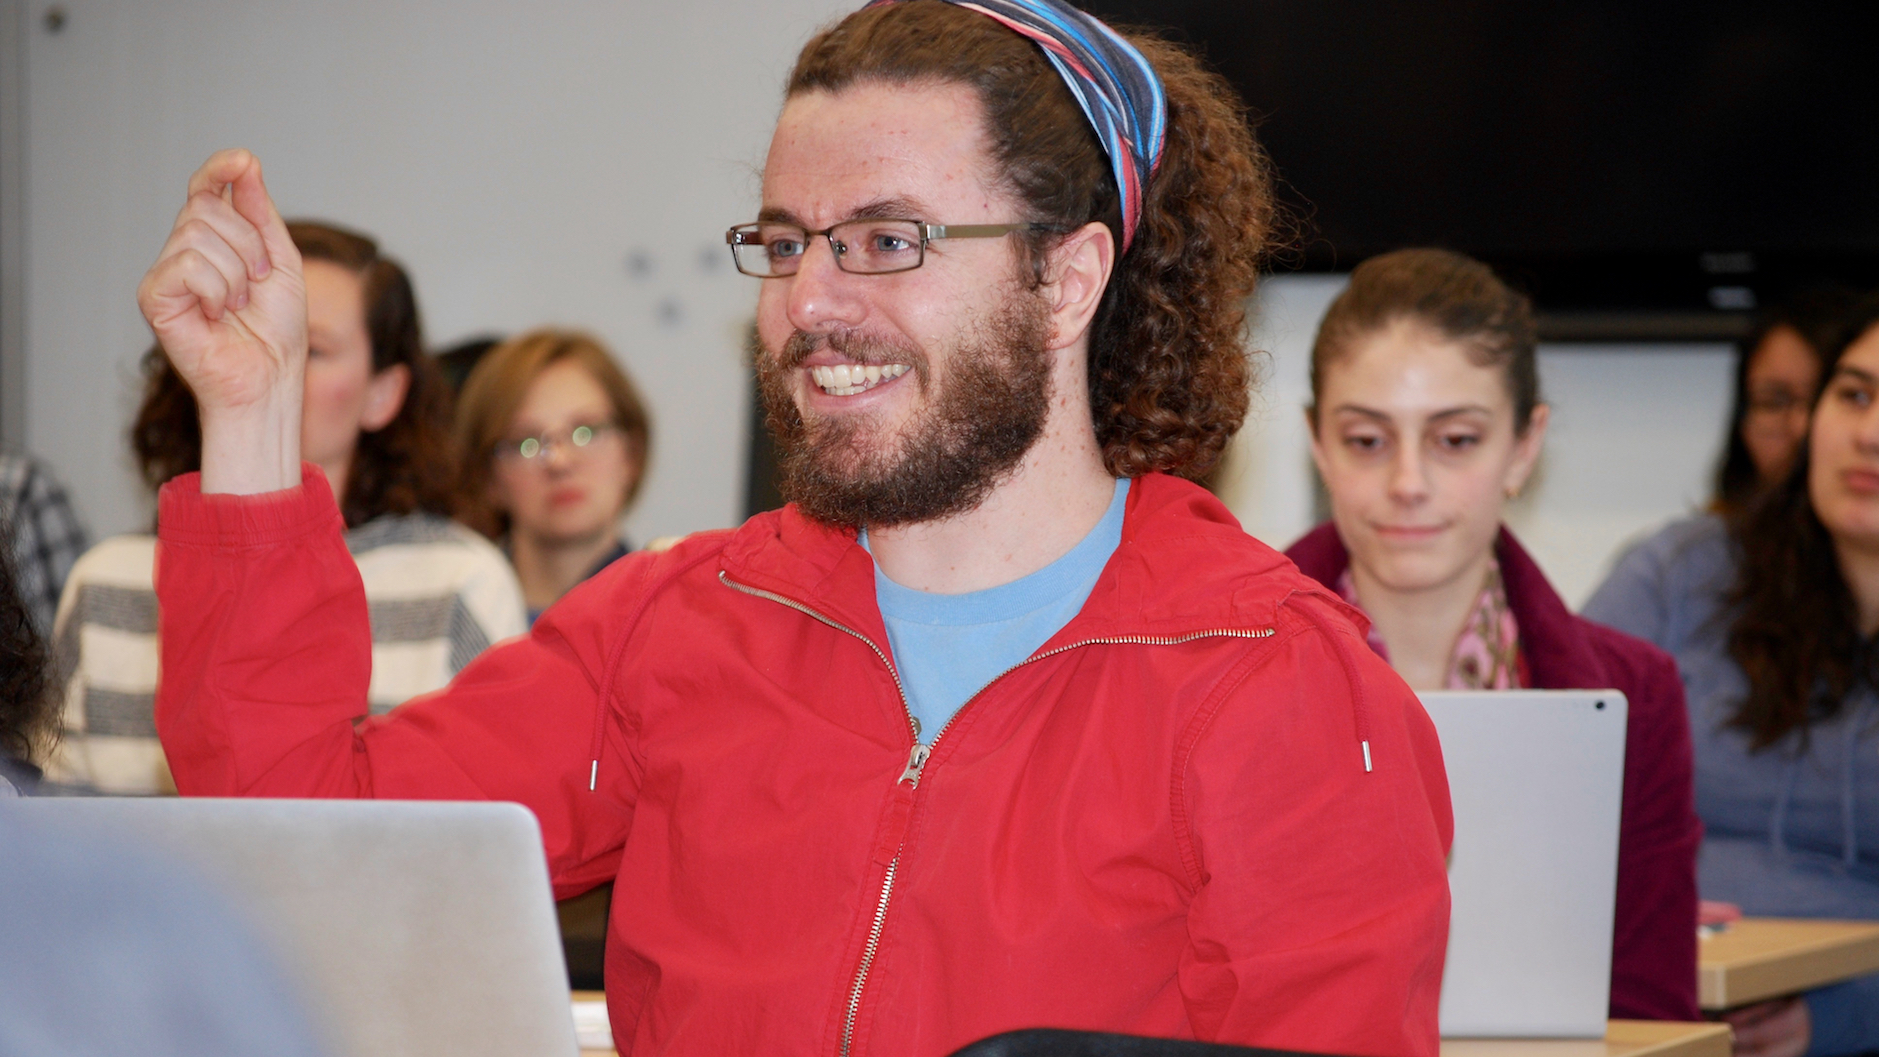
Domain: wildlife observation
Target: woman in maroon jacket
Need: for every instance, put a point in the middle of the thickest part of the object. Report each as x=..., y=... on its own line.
x=1426, y=418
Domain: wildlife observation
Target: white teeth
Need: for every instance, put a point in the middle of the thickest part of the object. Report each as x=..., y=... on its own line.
x=844, y=379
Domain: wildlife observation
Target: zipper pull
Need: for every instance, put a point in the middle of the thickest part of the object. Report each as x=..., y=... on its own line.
x=894, y=823
x=916, y=763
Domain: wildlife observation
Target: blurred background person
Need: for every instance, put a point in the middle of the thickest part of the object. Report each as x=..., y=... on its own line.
x=42, y=531
x=376, y=422
x=1778, y=371
x=1425, y=419
x=1773, y=619
x=553, y=440
x=28, y=721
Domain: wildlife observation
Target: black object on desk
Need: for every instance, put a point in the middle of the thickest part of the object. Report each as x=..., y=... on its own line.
x=1058, y=1042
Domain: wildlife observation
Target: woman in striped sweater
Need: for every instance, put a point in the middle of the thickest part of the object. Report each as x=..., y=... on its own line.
x=375, y=422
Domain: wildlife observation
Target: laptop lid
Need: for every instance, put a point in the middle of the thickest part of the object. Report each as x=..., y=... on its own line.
x=1537, y=780
x=414, y=928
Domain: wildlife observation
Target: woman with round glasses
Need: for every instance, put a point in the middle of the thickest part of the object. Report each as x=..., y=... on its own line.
x=553, y=440
x=1426, y=418
x=1778, y=370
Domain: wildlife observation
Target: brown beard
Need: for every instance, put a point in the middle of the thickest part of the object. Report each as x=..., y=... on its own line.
x=989, y=412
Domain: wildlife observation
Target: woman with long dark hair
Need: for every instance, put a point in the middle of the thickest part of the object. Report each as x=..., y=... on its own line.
x=1773, y=617
x=1426, y=418
x=375, y=420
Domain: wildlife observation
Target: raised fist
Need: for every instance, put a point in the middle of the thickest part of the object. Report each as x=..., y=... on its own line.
x=228, y=303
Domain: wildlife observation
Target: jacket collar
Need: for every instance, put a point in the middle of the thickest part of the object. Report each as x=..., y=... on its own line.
x=1558, y=651
x=1184, y=565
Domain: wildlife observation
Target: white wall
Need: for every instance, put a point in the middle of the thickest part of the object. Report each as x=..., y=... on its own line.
x=514, y=156
x=1634, y=437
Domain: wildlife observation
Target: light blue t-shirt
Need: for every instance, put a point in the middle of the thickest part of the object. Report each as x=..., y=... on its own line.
x=948, y=647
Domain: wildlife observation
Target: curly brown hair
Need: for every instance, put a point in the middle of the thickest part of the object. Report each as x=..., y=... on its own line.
x=1169, y=369
x=406, y=467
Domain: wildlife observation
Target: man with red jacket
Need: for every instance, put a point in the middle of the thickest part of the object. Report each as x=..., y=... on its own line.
x=998, y=724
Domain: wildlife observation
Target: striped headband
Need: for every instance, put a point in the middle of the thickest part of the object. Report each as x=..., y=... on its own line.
x=1118, y=90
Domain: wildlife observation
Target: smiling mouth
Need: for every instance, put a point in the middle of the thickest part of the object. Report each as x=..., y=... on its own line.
x=851, y=379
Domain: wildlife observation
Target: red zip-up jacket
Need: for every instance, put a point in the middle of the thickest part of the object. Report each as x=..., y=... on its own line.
x=1202, y=809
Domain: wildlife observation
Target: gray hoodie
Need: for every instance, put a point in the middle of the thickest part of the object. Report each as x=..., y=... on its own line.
x=1793, y=830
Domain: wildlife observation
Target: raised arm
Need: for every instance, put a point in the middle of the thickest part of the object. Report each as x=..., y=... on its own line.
x=265, y=638
x=266, y=659
x=228, y=303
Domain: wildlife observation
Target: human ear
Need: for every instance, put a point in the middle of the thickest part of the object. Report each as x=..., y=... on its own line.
x=1075, y=277
x=1526, y=451
x=385, y=397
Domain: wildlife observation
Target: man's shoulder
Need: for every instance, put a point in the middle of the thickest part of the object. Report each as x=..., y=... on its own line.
x=1196, y=560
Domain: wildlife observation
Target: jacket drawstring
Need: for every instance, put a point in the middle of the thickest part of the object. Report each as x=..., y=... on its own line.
x=1360, y=703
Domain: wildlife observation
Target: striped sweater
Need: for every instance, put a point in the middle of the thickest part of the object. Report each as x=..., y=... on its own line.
x=438, y=594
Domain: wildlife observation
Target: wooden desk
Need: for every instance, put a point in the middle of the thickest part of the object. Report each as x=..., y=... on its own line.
x=1623, y=1038
x=1758, y=958
x=591, y=996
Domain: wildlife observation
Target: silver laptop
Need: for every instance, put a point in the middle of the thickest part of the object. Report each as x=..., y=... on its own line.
x=413, y=928
x=1537, y=778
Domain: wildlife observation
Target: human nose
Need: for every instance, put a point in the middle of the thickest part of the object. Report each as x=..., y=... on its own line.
x=557, y=452
x=1866, y=430
x=1409, y=482
x=820, y=293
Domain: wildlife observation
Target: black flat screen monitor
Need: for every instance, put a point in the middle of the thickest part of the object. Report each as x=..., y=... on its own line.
x=1666, y=166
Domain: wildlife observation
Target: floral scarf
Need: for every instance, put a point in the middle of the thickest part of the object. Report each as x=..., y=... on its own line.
x=1486, y=654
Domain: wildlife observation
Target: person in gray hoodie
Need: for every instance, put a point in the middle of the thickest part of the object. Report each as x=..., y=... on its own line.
x=1773, y=618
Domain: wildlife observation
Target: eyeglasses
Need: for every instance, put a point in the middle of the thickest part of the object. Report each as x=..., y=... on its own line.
x=771, y=250
x=1776, y=402
x=528, y=451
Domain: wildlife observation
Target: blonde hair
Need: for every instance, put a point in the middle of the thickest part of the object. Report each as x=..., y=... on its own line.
x=493, y=393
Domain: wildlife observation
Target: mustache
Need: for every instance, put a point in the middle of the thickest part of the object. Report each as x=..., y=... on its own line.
x=851, y=345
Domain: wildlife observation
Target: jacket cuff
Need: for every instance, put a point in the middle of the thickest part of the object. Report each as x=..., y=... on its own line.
x=187, y=517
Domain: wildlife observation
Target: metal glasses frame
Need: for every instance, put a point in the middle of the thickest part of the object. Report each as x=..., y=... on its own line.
x=747, y=235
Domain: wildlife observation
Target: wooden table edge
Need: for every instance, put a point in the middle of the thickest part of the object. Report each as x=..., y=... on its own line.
x=1856, y=945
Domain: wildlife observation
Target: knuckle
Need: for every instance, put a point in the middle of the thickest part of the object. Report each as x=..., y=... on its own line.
x=194, y=229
